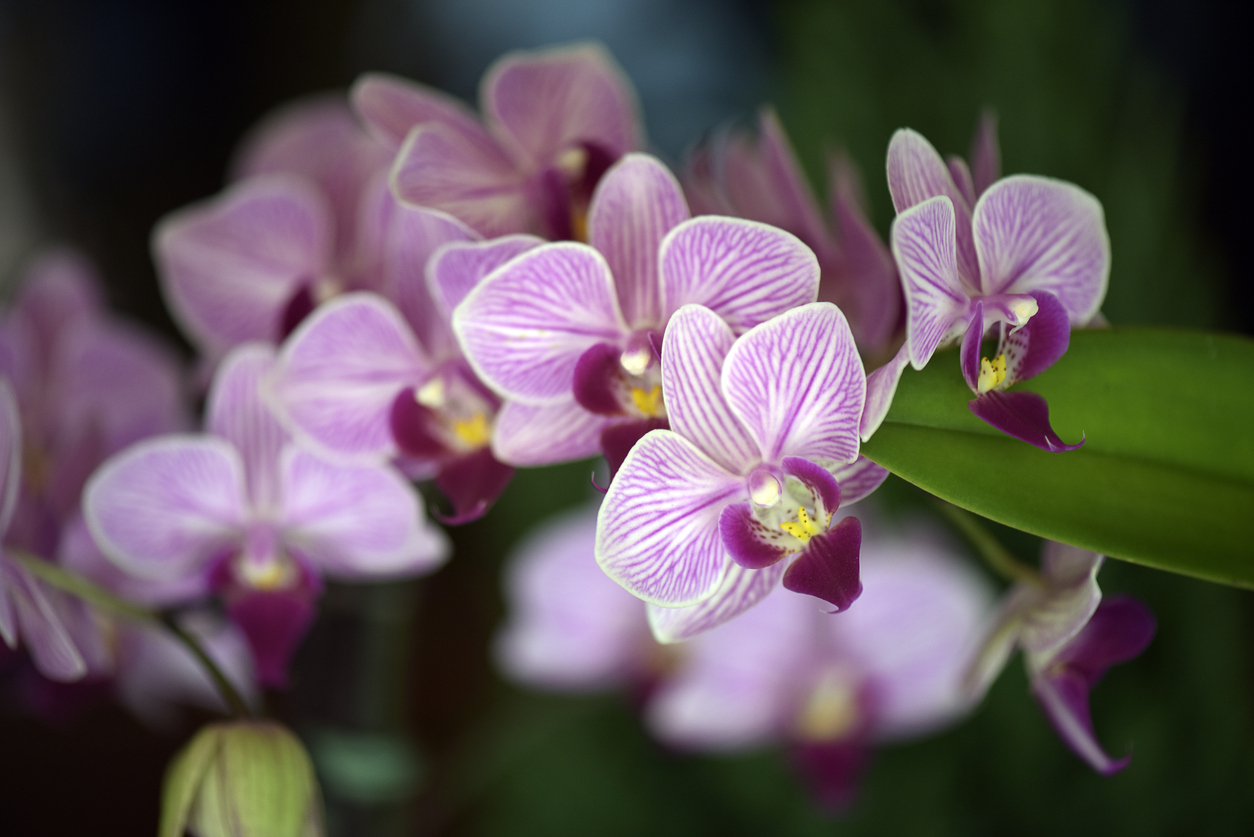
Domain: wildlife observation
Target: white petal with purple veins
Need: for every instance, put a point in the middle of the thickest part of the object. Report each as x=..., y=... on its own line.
x=916, y=173
x=236, y=412
x=527, y=435
x=936, y=301
x=741, y=589
x=456, y=268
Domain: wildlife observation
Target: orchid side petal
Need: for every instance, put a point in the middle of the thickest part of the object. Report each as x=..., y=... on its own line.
x=1023, y=415
x=881, y=386
x=741, y=589
x=524, y=435
x=936, y=301
x=456, y=268
x=744, y=271
x=236, y=413
x=525, y=326
x=796, y=384
x=916, y=174
x=858, y=479
x=657, y=532
x=40, y=621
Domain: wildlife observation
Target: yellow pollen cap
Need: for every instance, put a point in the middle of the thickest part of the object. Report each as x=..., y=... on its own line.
x=473, y=432
x=802, y=528
x=992, y=373
x=649, y=403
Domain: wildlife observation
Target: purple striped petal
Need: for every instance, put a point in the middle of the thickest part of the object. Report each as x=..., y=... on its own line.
x=881, y=386
x=164, y=507
x=392, y=106
x=619, y=437
x=339, y=373
x=962, y=178
x=526, y=325
x=466, y=175
x=10, y=455
x=858, y=480
x=524, y=434
x=542, y=103
x=236, y=413
x=230, y=265
x=1035, y=347
x=355, y=522
x=970, y=356
x=635, y=205
x=696, y=345
x=796, y=384
x=787, y=193
x=741, y=589
x=985, y=153
x=1064, y=697
x=743, y=271
x=828, y=567
x=657, y=533
x=456, y=268
x=472, y=483
x=936, y=301
x=1023, y=415
x=824, y=487
x=39, y=615
x=916, y=174
x=1037, y=234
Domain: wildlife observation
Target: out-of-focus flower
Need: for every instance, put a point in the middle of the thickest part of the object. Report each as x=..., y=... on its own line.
x=570, y=334
x=1027, y=254
x=1069, y=637
x=249, y=515
x=361, y=380
x=553, y=121
x=700, y=518
x=242, y=779
x=760, y=179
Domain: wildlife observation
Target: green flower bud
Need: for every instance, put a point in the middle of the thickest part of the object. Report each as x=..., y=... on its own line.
x=242, y=779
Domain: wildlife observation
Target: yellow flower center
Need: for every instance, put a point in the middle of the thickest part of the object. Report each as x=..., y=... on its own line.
x=473, y=432
x=802, y=528
x=832, y=710
x=649, y=403
x=273, y=574
x=992, y=373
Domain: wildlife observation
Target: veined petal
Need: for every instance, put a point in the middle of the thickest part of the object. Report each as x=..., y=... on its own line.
x=1072, y=598
x=1034, y=233
x=340, y=371
x=619, y=437
x=657, y=532
x=456, y=268
x=465, y=175
x=985, y=153
x=392, y=106
x=797, y=211
x=524, y=327
x=1064, y=697
x=524, y=433
x=796, y=384
x=881, y=386
x=540, y=104
x=356, y=522
x=741, y=589
x=748, y=540
x=917, y=174
x=10, y=455
x=858, y=479
x=236, y=413
x=936, y=302
x=635, y=205
x=696, y=345
x=165, y=506
x=962, y=177
x=40, y=623
x=744, y=271
x=1023, y=415
x=229, y=265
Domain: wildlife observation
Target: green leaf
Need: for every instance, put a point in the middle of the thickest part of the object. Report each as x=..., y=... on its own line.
x=1165, y=477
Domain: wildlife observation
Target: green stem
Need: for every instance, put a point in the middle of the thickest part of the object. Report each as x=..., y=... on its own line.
x=92, y=593
x=990, y=549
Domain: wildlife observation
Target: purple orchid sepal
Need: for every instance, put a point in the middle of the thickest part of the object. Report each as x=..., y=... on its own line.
x=253, y=517
x=1069, y=637
x=1028, y=256
x=701, y=517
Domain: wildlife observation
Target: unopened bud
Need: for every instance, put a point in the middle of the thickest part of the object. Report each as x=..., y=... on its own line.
x=240, y=779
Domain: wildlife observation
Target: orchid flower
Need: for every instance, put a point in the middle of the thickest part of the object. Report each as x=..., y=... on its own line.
x=362, y=380
x=761, y=180
x=254, y=518
x=832, y=689
x=569, y=334
x=553, y=121
x=764, y=428
x=1028, y=255
x=1069, y=637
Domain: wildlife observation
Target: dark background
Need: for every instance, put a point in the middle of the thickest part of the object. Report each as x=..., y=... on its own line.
x=118, y=111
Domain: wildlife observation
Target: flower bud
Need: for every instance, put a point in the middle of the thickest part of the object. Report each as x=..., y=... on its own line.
x=242, y=778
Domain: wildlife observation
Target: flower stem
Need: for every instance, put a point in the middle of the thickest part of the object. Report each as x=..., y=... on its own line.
x=990, y=549
x=92, y=593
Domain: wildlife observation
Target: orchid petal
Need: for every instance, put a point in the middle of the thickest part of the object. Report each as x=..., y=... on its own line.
x=164, y=507
x=923, y=244
x=356, y=522
x=236, y=413
x=619, y=437
x=229, y=266
x=456, y=268
x=274, y=622
x=59, y=293
x=696, y=346
x=789, y=201
x=1023, y=415
x=985, y=153
x=796, y=384
x=1037, y=234
x=524, y=434
x=881, y=386
x=828, y=567
x=339, y=373
x=917, y=174
x=962, y=178
x=597, y=380
x=10, y=456
x=1035, y=347
x=1073, y=596
x=40, y=621
x=543, y=103
x=744, y=271
x=635, y=205
x=466, y=175
x=1064, y=697
x=1120, y=629
x=657, y=533
x=392, y=106
x=969, y=358
x=858, y=479
x=472, y=483
x=525, y=326
x=748, y=540
x=1001, y=637
x=741, y=589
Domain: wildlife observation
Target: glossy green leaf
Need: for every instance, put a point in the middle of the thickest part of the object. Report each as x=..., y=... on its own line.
x=1165, y=477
